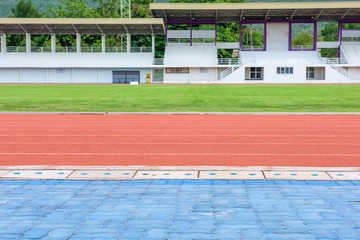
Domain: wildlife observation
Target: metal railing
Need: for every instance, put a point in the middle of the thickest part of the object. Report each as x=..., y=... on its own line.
x=65, y=49
x=40, y=49
x=115, y=49
x=231, y=69
x=96, y=49
x=227, y=61
x=15, y=49
x=252, y=48
x=158, y=61
x=141, y=49
x=334, y=64
x=302, y=47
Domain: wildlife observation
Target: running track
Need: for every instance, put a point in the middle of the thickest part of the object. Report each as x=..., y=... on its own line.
x=181, y=140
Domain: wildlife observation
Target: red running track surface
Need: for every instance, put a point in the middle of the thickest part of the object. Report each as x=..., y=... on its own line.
x=180, y=140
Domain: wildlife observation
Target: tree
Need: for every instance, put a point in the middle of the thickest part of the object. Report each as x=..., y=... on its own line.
x=330, y=32
x=25, y=9
x=72, y=9
x=303, y=39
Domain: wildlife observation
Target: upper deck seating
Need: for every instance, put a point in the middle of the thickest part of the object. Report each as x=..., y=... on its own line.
x=186, y=56
x=280, y=57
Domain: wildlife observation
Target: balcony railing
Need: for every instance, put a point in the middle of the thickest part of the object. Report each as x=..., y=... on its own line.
x=227, y=61
x=40, y=49
x=15, y=49
x=115, y=49
x=73, y=49
x=158, y=61
x=66, y=49
x=91, y=49
x=141, y=49
x=252, y=48
x=302, y=47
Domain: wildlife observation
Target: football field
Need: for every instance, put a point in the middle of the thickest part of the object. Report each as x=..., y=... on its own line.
x=180, y=98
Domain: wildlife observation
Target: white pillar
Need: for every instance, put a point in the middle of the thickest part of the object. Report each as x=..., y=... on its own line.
x=103, y=43
x=21, y=75
x=153, y=44
x=28, y=42
x=128, y=42
x=53, y=43
x=3, y=43
x=78, y=42
x=99, y=75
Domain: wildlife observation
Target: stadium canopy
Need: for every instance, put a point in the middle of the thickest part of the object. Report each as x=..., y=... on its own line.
x=235, y=12
x=99, y=26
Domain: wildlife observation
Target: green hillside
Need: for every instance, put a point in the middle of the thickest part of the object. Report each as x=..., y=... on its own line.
x=44, y=5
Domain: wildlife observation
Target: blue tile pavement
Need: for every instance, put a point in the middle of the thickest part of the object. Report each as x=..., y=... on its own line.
x=180, y=209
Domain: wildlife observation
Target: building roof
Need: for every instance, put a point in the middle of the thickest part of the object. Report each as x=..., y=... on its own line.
x=82, y=25
x=233, y=12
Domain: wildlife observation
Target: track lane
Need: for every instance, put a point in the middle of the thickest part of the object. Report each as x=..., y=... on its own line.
x=179, y=140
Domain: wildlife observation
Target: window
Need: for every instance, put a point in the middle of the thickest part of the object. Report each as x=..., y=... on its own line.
x=310, y=72
x=256, y=73
x=177, y=70
x=285, y=70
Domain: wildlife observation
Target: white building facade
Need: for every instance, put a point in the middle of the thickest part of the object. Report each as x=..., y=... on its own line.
x=191, y=55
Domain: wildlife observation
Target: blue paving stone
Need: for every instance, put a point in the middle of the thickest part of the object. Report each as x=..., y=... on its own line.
x=180, y=209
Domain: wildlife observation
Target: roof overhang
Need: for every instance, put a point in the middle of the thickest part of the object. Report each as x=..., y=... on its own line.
x=111, y=26
x=234, y=12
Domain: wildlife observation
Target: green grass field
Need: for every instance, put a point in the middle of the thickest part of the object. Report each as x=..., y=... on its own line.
x=180, y=98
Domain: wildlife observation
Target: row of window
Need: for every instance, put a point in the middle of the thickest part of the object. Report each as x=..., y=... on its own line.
x=255, y=73
x=183, y=70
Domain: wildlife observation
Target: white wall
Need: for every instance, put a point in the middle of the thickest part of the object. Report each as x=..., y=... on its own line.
x=177, y=78
x=354, y=73
x=277, y=35
x=86, y=76
x=197, y=75
x=34, y=75
x=9, y=76
x=63, y=75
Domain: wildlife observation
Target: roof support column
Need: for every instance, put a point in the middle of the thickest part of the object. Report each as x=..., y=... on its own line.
x=191, y=40
x=53, y=43
x=290, y=37
x=103, y=43
x=315, y=35
x=3, y=43
x=240, y=36
x=340, y=25
x=215, y=33
x=265, y=36
x=78, y=42
x=28, y=42
x=166, y=30
x=128, y=43
x=153, y=44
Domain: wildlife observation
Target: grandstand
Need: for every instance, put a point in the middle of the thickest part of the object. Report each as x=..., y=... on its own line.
x=191, y=55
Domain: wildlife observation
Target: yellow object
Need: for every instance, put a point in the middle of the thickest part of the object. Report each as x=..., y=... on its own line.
x=148, y=78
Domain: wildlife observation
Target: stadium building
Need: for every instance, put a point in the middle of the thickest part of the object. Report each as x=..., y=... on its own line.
x=192, y=46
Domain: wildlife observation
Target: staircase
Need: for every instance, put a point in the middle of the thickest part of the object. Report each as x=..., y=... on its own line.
x=231, y=69
x=334, y=64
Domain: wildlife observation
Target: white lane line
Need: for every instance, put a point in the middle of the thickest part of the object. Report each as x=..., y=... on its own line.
x=193, y=154
x=178, y=143
x=171, y=135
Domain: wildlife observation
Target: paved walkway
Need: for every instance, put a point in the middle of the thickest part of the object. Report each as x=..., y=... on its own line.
x=180, y=209
x=156, y=173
